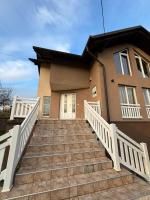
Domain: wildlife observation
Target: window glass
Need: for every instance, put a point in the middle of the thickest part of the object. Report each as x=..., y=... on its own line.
x=65, y=103
x=123, y=97
x=139, y=67
x=73, y=103
x=146, y=93
x=145, y=68
x=125, y=64
x=118, y=63
x=131, y=97
x=46, y=105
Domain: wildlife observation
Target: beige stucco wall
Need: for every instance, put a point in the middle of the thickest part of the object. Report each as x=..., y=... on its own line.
x=44, y=88
x=106, y=57
x=69, y=77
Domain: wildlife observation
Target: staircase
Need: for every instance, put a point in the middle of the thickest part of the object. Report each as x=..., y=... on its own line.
x=63, y=160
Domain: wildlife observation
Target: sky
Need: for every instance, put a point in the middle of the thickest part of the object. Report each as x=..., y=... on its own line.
x=63, y=25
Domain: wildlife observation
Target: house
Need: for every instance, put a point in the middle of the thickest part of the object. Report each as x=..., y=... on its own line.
x=67, y=146
x=113, y=69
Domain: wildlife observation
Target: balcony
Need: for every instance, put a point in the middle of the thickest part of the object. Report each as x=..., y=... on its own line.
x=131, y=111
x=148, y=110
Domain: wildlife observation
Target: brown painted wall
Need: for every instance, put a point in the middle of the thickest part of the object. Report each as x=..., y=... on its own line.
x=106, y=57
x=139, y=131
x=68, y=77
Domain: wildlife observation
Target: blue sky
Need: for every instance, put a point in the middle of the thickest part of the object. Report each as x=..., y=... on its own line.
x=56, y=24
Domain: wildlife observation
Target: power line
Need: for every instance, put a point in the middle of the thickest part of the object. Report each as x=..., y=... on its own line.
x=103, y=18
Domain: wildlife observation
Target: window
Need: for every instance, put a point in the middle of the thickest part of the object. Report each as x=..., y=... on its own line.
x=146, y=93
x=142, y=66
x=46, y=105
x=127, y=95
x=94, y=94
x=122, y=62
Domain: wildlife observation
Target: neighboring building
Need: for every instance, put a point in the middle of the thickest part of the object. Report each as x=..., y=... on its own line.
x=113, y=69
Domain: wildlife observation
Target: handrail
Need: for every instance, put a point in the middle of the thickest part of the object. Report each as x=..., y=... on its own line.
x=122, y=149
x=16, y=139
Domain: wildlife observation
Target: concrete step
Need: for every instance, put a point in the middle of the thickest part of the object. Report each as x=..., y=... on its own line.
x=62, y=139
x=70, y=187
x=48, y=158
x=25, y=176
x=47, y=132
x=62, y=122
x=64, y=147
x=135, y=191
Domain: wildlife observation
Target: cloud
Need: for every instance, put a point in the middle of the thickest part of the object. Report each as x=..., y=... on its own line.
x=15, y=70
x=63, y=14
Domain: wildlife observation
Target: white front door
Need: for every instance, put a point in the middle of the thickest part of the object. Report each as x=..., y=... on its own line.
x=68, y=106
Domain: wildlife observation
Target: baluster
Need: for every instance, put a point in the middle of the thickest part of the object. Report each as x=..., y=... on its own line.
x=146, y=160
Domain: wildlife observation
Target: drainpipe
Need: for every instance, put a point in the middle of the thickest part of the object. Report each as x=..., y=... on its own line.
x=105, y=81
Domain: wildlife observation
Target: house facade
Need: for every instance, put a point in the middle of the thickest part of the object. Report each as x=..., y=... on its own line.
x=113, y=70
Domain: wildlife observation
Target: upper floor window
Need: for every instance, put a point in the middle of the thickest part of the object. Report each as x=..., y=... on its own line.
x=122, y=62
x=147, y=96
x=142, y=66
x=127, y=95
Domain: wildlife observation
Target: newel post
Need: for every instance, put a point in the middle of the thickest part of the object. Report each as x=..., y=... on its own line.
x=146, y=160
x=13, y=108
x=12, y=160
x=116, y=158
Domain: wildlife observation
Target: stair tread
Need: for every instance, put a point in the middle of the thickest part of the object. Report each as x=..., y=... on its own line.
x=65, y=182
x=64, y=165
x=126, y=192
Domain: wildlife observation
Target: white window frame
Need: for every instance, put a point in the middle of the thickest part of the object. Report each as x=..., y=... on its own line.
x=126, y=93
x=125, y=54
x=141, y=65
x=121, y=63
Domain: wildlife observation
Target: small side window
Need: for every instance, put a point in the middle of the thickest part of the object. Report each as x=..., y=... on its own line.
x=94, y=93
x=46, y=105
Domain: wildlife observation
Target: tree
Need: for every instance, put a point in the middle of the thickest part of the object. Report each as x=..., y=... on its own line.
x=5, y=97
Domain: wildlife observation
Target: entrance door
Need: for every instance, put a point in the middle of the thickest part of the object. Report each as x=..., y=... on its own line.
x=68, y=106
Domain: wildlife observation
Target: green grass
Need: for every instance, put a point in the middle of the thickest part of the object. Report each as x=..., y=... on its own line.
x=4, y=114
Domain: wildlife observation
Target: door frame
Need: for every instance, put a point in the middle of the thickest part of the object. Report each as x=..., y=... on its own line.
x=60, y=113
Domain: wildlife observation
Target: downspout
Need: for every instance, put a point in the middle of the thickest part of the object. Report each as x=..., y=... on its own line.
x=105, y=81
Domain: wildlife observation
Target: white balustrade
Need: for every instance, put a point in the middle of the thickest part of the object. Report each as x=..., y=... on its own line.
x=96, y=106
x=131, y=111
x=148, y=111
x=21, y=107
x=122, y=149
x=15, y=140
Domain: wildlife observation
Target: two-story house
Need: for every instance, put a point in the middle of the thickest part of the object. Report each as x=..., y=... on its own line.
x=113, y=69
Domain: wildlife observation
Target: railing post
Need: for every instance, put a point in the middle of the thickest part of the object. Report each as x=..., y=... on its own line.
x=8, y=181
x=13, y=108
x=116, y=158
x=146, y=160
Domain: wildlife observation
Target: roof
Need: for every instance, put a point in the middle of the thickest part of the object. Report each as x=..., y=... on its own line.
x=137, y=35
